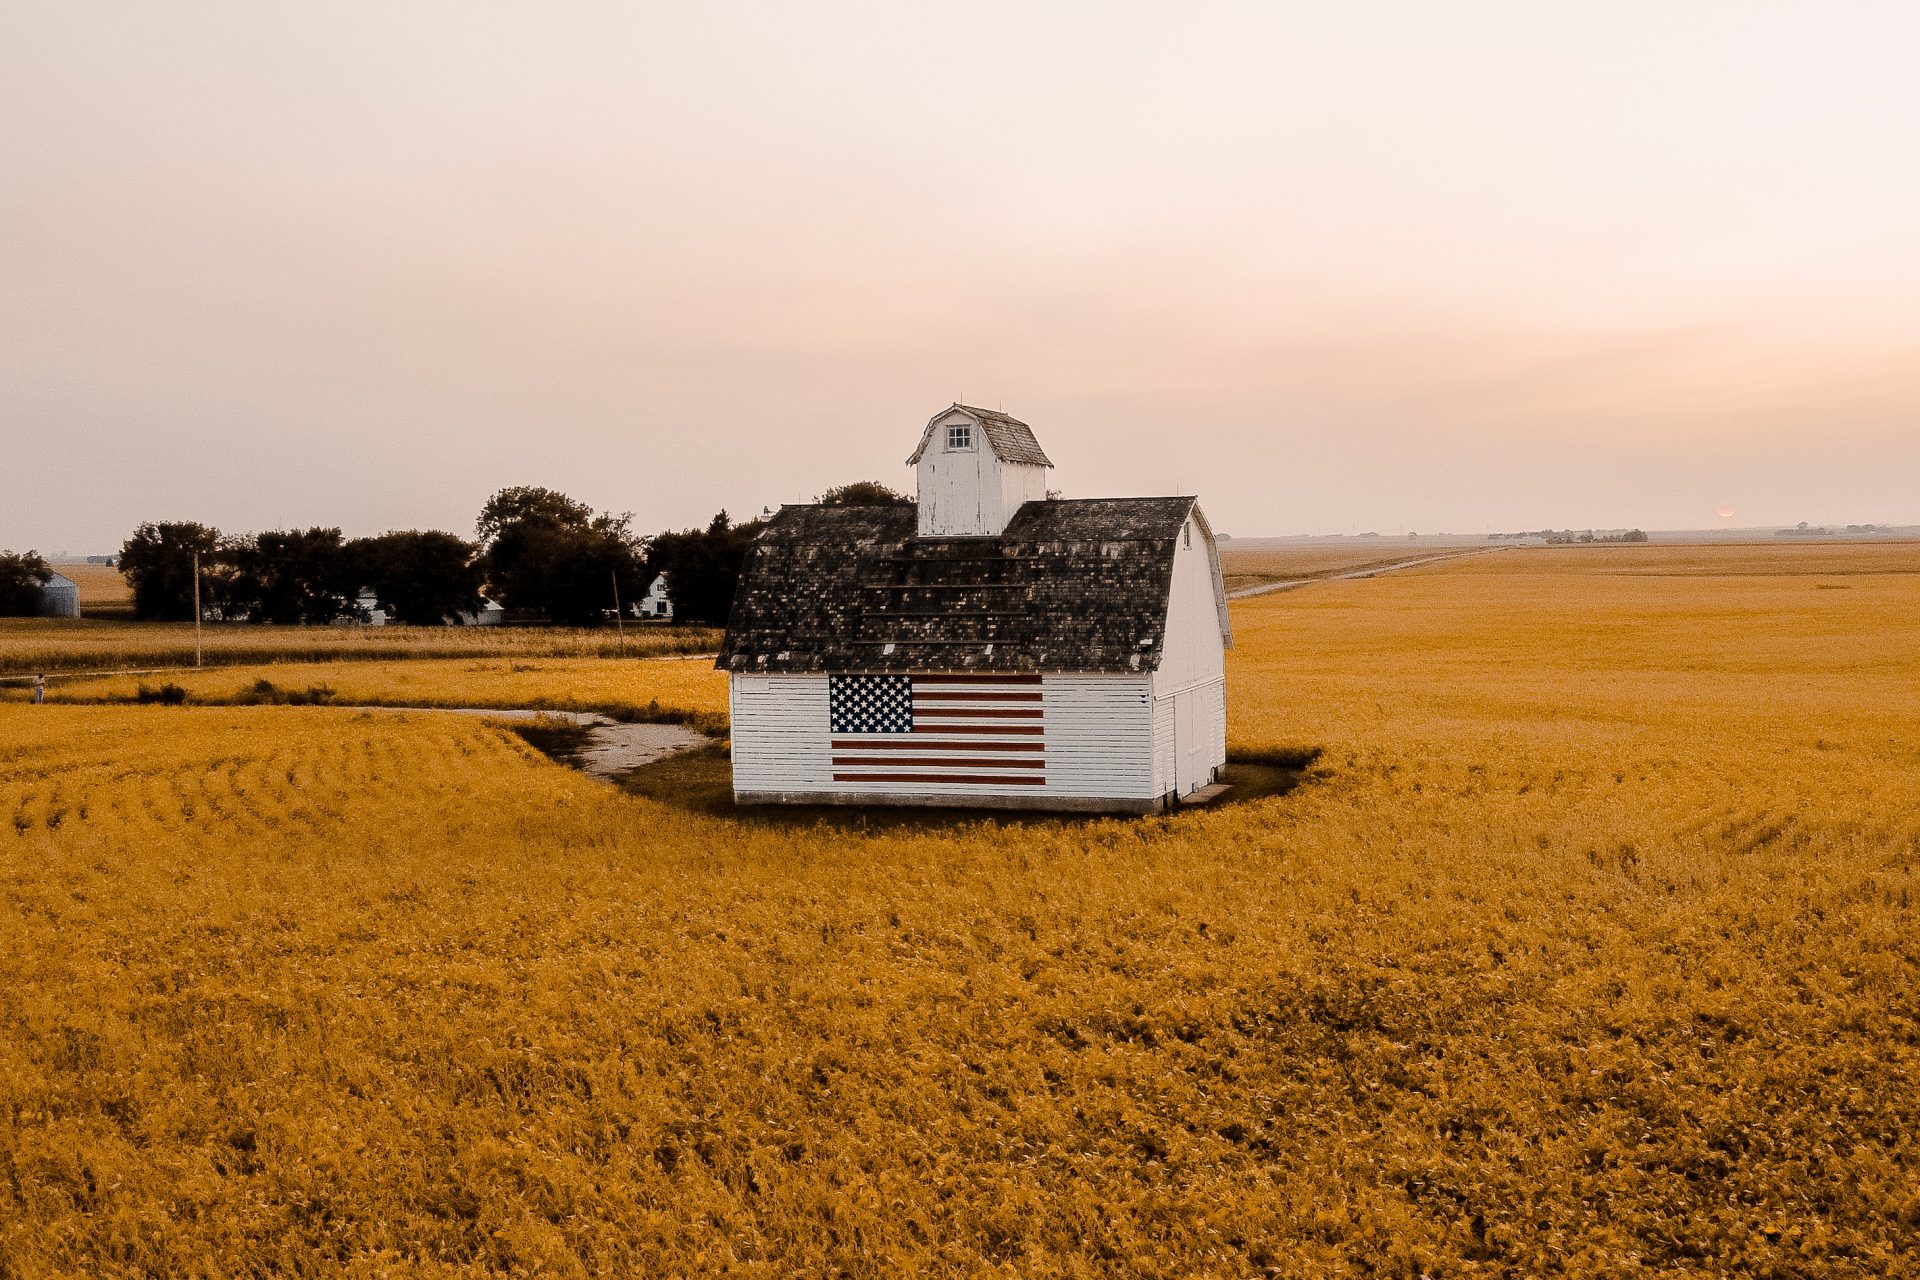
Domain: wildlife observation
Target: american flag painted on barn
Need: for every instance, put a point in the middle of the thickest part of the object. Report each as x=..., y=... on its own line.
x=973, y=729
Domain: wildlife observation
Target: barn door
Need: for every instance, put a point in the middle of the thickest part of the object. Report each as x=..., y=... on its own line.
x=1188, y=741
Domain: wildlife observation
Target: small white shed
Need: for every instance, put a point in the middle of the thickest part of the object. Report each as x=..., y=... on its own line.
x=60, y=598
x=983, y=646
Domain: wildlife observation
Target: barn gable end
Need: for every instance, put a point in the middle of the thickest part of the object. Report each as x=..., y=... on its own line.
x=1189, y=685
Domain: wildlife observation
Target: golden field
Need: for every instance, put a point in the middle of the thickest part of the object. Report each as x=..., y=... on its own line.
x=1589, y=946
x=28, y=645
x=101, y=585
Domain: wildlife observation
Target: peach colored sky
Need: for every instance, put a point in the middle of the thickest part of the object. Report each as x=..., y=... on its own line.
x=1333, y=267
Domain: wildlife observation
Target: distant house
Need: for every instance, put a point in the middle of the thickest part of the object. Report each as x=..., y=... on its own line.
x=488, y=614
x=60, y=598
x=655, y=603
x=986, y=645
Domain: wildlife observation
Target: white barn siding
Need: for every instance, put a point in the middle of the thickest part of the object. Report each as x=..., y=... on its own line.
x=1162, y=744
x=1098, y=735
x=1193, y=663
x=1195, y=650
x=780, y=740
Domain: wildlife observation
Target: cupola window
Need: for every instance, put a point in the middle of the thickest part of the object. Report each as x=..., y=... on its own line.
x=960, y=436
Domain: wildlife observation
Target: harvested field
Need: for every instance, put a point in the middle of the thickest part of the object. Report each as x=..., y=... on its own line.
x=1590, y=945
x=101, y=586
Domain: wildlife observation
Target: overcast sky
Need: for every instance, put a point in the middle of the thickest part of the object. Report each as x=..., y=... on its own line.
x=1333, y=267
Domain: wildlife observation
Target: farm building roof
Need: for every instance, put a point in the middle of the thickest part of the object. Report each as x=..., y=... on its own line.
x=1071, y=585
x=1012, y=440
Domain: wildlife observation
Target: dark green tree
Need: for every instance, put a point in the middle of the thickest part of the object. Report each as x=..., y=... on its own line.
x=703, y=567
x=421, y=577
x=861, y=493
x=575, y=571
x=527, y=506
x=293, y=576
x=22, y=578
x=545, y=553
x=227, y=593
x=158, y=564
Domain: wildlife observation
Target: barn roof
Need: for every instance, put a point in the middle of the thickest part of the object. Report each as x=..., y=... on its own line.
x=1012, y=439
x=1071, y=585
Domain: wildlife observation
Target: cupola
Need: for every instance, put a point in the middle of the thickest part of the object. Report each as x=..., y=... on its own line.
x=973, y=470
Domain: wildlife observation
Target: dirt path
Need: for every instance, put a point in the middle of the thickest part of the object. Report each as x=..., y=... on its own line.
x=1292, y=584
x=613, y=747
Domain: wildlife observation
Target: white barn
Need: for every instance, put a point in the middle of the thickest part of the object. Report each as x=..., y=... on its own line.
x=985, y=645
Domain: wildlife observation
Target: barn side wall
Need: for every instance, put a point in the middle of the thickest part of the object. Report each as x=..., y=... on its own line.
x=1193, y=662
x=1098, y=734
x=780, y=740
x=1162, y=744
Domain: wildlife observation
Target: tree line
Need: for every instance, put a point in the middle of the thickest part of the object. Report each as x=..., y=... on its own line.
x=1567, y=537
x=537, y=552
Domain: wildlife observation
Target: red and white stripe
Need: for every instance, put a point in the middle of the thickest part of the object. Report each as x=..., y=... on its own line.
x=972, y=729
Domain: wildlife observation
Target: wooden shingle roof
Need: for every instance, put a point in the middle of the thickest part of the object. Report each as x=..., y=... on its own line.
x=1011, y=439
x=1071, y=585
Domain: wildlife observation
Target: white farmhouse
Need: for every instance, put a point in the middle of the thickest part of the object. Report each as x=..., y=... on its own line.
x=986, y=645
x=655, y=603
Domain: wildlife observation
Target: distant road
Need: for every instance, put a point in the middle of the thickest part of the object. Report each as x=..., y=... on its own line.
x=1373, y=571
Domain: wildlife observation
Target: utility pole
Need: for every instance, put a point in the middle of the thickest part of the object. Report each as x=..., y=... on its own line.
x=196, y=608
x=619, y=622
